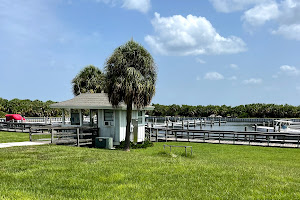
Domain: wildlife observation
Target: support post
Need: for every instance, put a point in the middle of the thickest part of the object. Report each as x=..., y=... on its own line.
x=80, y=117
x=77, y=131
x=234, y=138
x=166, y=132
x=156, y=136
x=30, y=135
x=188, y=133
x=52, y=135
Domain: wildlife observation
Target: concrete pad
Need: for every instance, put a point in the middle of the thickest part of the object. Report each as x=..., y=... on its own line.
x=17, y=144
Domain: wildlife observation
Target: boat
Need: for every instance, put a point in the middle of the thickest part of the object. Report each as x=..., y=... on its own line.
x=282, y=125
x=14, y=117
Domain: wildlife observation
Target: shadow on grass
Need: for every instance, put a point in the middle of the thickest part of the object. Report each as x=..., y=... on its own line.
x=174, y=154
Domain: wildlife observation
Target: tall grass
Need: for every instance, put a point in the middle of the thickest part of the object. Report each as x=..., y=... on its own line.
x=213, y=172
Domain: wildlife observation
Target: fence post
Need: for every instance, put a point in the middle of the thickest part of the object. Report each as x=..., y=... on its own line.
x=188, y=133
x=52, y=136
x=30, y=136
x=233, y=138
x=166, y=132
x=78, y=145
x=156, y=137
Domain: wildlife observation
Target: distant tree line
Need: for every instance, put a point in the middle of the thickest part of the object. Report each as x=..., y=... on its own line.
x=257, y=110
x=28, y=108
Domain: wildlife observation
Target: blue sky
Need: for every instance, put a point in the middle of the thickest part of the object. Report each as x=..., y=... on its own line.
x=207, y=51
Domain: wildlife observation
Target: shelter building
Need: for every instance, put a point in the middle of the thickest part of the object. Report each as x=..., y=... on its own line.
x=110, y=120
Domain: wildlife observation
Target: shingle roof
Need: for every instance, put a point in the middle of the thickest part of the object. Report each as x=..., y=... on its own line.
x=91, y=101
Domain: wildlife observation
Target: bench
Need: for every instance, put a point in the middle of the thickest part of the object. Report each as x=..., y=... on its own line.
x=179, y=146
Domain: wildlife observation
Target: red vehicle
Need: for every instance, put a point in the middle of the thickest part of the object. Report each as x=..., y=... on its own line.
x=15, y=117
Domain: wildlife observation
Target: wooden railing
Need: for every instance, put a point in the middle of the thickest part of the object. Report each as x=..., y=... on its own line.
x=73, y=136
x=278, y=139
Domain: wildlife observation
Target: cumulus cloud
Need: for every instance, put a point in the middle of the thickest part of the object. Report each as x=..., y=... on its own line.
x=213, y=76
x=261, y=13
x=285, y=14
x=290, y=70
x=287, y=70
x=139, y=5
x=291, y=32
x=252, y=81
x=191, y=35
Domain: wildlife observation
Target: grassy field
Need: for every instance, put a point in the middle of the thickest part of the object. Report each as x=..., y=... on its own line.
x=13, y=137
x=213, y=172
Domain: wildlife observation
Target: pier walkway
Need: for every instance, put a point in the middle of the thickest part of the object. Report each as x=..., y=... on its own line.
x=253, y=138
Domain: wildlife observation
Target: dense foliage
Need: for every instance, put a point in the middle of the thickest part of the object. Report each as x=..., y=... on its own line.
x=242, y=111
x=28, y=108
x=89, y=79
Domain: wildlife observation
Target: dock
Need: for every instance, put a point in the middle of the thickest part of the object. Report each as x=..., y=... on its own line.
x=252, y=138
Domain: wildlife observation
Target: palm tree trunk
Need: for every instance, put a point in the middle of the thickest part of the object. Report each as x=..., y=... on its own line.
x=128, y=121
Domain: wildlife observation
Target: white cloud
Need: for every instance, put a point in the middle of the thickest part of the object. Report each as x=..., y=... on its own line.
x=285, y=14
x=139, y=5
x=198, y=60
x=261, y=13
x=213, y=76
x=290, y=70
x=291, y=32
x=227, y=6
x=252, y=81
x=287, y=70
x=198, y=78
x=191, y=35
x=234, y=66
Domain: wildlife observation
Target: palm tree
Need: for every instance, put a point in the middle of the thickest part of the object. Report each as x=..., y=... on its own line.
x=130, y=78
x=89, y=79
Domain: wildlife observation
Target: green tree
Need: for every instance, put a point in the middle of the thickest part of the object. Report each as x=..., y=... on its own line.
x=130, y=78
x=89, y=79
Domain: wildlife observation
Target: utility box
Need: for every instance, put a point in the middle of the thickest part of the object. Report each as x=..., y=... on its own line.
x=104, y=142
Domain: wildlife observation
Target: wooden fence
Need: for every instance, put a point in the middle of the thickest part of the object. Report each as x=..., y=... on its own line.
x=73, y=136
x=18, y=126
x=276, y=139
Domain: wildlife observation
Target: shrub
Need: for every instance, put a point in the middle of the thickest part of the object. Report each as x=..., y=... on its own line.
x=136, y=146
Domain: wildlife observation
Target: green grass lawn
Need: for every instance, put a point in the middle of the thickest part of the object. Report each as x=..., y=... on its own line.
x=13, y=137
x=214, y=172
